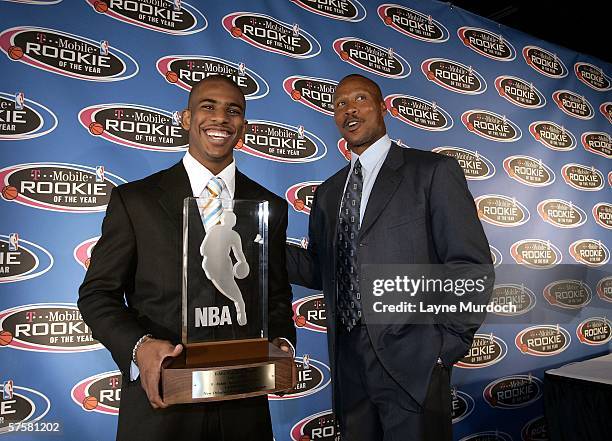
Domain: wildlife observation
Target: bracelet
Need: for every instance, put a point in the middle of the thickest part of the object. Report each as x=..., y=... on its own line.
x=140, y=341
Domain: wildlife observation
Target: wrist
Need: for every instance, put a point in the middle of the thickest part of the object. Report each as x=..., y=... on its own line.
x=139, y=343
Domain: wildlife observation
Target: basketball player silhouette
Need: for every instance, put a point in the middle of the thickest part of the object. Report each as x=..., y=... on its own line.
x=217, y=264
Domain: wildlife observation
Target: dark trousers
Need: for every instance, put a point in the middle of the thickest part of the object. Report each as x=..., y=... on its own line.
x=373, y=406
x=232, y=420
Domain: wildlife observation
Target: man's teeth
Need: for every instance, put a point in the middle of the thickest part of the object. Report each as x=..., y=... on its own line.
x=353, y=123
x=217, y=134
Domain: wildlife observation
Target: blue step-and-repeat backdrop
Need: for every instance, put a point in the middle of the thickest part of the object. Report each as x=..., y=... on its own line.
x=89, y=97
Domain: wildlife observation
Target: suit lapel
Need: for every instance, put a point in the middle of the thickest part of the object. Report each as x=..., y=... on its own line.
x=176, y=187
x=332, y=203
x=243, y=190
x=330, y=206
x=386, y=184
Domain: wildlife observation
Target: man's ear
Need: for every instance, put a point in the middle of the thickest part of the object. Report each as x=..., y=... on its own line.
x=243, y=131
x=186, y=119
x=383, y=108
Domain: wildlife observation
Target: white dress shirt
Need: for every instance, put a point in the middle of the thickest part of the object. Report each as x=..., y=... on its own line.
x=371, y=161
x=200, y=175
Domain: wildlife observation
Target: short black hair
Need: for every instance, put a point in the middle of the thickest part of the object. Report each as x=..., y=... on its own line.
x=372, y=82
x=215, y=78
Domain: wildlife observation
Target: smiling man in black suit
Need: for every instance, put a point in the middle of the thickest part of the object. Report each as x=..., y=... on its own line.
x=131, y=295
x=390, y=205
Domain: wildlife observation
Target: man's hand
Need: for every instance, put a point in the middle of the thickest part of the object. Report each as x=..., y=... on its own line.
x=149, y=358
x=283, y=345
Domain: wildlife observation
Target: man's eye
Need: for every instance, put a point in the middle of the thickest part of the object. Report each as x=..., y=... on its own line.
x=361, y=98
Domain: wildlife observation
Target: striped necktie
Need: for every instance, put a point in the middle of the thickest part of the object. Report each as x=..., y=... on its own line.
x=213, y=208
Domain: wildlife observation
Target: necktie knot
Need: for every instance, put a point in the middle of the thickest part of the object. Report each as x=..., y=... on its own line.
x=215, y=187
x=212, y=209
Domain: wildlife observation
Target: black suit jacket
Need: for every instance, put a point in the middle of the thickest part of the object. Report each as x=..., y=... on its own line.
x=420, y=211
x=133, y=287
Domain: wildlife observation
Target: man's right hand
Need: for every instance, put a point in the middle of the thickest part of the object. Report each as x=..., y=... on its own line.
x=149, y=358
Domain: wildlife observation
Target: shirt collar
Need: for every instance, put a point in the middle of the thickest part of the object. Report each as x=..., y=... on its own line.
x=373, y=154
x=200, y=175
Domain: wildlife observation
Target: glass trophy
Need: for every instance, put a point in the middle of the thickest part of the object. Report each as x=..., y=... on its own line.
x=224, y=332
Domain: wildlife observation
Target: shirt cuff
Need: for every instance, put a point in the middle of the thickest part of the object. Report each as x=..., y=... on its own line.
x=134, y=371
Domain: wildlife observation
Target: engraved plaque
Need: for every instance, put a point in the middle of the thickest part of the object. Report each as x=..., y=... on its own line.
x=231, y=381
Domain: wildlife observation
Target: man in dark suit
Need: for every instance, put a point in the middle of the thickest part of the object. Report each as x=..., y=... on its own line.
x=390, y=205
x=131, y=295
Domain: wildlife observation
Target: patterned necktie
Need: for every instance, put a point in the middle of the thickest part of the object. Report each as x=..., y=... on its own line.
x=349, y=296
x=212, y=209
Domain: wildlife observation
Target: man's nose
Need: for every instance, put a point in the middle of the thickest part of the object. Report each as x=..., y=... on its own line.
x=219, y=115
x=351, y=108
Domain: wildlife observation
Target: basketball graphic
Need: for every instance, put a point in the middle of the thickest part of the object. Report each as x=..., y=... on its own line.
x=100, y=6
x=299, y=204
x=9, y=192
x=344, y=55
x=296, y=95
x=394, y=111
x=388, y=20
x=171, y=76
x=236, y=32
x=90, y=403
x=15, y=52
x=5, y=338
x=300, y=321
x=96, y=128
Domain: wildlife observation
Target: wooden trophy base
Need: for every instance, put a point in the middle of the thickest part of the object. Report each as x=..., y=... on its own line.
x=227, y=370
